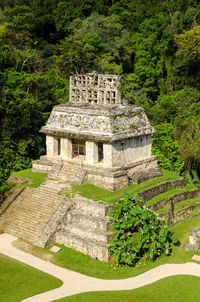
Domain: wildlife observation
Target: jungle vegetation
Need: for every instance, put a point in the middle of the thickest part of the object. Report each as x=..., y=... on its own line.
x=154, y=45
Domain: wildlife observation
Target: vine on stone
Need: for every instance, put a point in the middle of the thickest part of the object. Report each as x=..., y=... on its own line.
x=139, y=232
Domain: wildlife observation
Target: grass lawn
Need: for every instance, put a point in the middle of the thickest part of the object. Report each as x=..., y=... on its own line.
x=177, y=288
x=36, y=177
x=171, y=289
x=19, y=281
x=96, y=193
x=76, y=261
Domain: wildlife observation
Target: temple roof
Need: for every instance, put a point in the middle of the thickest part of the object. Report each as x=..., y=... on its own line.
x=97, y=122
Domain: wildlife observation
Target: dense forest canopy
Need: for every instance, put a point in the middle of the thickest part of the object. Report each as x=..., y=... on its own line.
x=154, y=45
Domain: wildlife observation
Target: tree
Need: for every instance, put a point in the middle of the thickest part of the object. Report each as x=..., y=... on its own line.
x=151, y=44
x=97, y=42
x=165, y=148
x=188, y=133
x=188, y=56
x=189, y=44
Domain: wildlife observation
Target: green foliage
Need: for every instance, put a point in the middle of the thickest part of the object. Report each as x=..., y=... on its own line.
x=193, y=178
x=36, y=177
x=96, y=193
x=4, y=188
x=139, y=233
x=95, y=43
x=165, y=148
x=189, y=44
x=153, y=45
x=188, y=133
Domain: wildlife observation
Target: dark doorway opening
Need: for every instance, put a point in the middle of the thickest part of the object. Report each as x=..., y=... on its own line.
x=100, y=151
x=58, y=146
x=78, y=147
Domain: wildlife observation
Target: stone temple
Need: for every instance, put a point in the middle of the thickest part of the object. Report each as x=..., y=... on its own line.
x=97, y=137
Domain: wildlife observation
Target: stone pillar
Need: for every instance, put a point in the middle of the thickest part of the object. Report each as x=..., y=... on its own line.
x=66, y=148
x=108, y=155
x=91, y=150
x=52, y=145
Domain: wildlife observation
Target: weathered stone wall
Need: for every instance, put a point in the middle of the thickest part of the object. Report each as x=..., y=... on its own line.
x=175, y=199
x=161, y=188
x=108, y=182
x=130, y=150
x=117, y=178
x=47, y=233
x=86, y=228
x=182, y=214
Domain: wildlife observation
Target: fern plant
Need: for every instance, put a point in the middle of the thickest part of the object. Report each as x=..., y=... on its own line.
x=193, y=178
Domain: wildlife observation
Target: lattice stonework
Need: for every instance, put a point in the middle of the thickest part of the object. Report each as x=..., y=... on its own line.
x=95, y=89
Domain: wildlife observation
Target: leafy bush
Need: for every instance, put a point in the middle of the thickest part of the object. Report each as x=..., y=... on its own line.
x=166, y=148
x=139, y=233
x=193, y=178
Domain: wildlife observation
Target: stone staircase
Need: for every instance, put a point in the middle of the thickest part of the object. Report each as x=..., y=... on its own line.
x=68, y=172
x=30, y=211
x=86, y=228
x=42, y=216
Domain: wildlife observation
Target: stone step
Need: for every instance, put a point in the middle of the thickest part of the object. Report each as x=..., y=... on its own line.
x=85, y=206
x=66, y=175
x=89, y=247
x=68, y=172
x=41, y=195
x=95, y=222
x=33, y=207
x=40, y=201
x=13, y=194
x=30, y=212
x=88, y=232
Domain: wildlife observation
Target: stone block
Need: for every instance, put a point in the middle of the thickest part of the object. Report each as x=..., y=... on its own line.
x=55, y=249
x=196, y=258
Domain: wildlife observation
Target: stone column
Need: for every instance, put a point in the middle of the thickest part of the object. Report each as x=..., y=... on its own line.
x=52, y=145
x=91, y=150
x=108, y=155
x=66, y=148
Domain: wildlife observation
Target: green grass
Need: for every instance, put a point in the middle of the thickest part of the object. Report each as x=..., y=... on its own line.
x=36, y=177
x=170, y=193
x=76, y=261
x=4, y=188
x=170, y=289
x=186, y=203
x=19, y=281
x=96, y=193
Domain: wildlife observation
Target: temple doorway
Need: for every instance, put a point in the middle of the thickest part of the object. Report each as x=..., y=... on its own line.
x=78, y=148
x=100, y=151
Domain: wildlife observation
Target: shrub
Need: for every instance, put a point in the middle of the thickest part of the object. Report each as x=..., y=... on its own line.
x=139, y=233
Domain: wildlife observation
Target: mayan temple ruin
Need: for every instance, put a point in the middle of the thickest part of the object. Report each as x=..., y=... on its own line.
x=96, y=134
x=95, y=138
